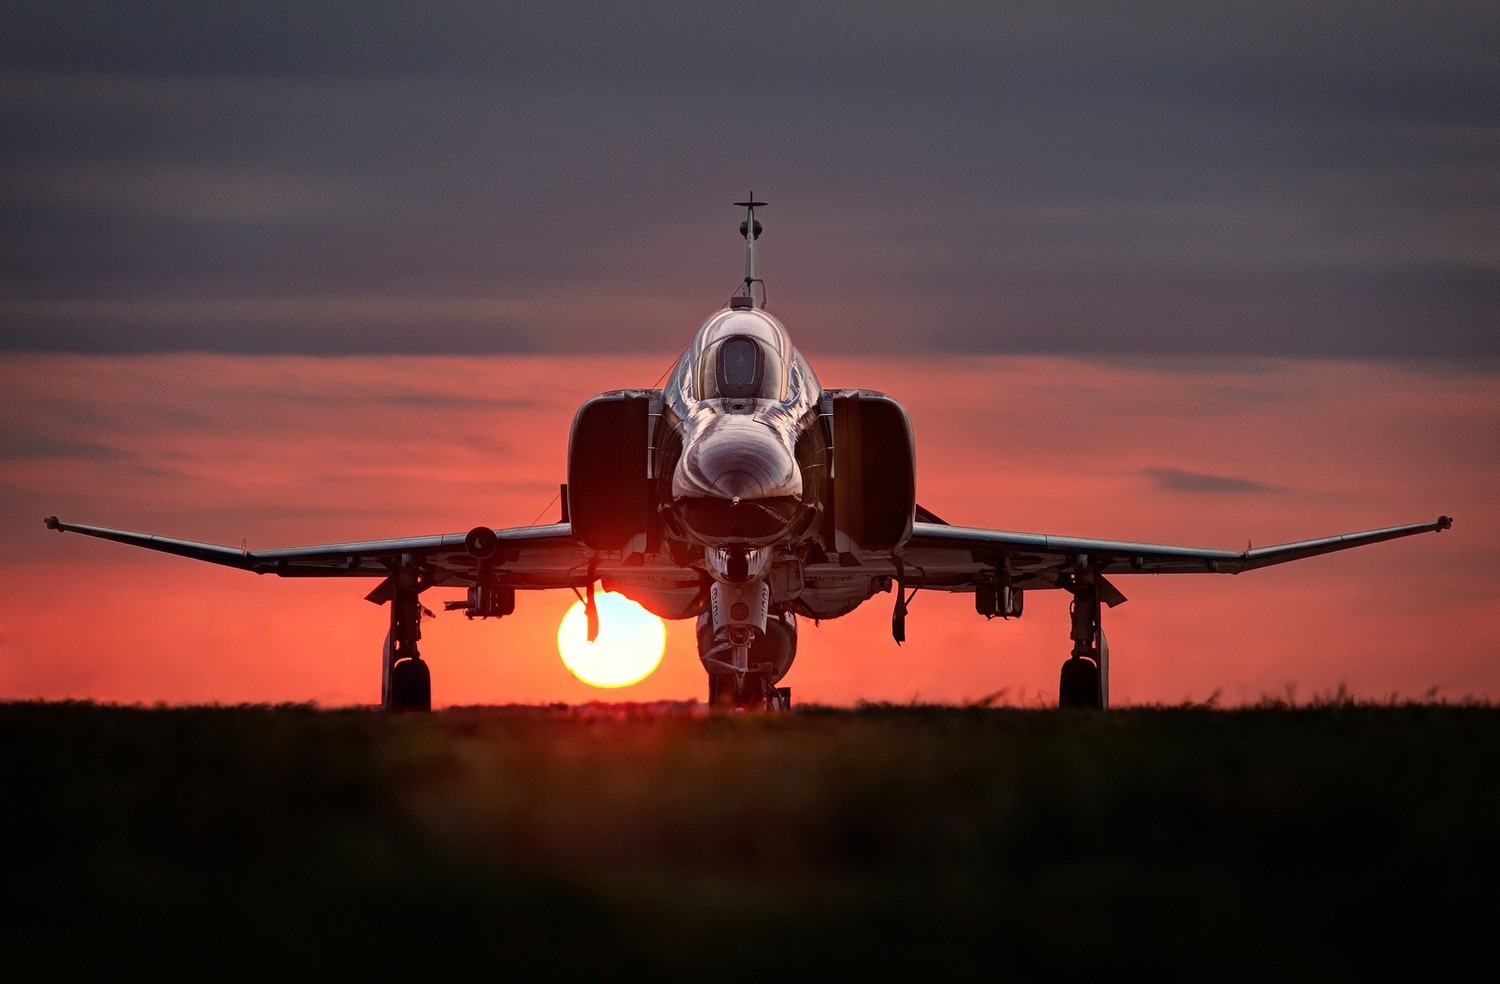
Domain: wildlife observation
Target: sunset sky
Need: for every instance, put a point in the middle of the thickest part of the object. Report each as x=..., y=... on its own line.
x=1191, y=274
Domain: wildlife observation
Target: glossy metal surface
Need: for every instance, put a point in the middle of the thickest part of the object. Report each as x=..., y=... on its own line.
x=738, y=398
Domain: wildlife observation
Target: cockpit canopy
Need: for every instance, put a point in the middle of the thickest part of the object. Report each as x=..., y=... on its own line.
x=741, y=367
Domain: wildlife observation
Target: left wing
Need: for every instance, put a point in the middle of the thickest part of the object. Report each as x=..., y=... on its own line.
x=955, y=557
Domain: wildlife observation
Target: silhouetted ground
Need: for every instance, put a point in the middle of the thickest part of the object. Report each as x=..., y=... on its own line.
x=526, y=842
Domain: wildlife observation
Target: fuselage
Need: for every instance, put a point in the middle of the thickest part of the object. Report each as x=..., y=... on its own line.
x=742, y=493
x=738, y=402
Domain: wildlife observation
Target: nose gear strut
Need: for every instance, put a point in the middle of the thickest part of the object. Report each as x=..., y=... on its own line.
x=728, y=631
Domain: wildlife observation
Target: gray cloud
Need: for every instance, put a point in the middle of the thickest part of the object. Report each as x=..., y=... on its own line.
x=1177, y=480
x=179, y=193
x=18, y=444
x=1225, y=180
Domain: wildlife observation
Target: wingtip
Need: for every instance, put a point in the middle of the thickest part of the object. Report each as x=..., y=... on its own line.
x=1444, y=523
x=52, y=523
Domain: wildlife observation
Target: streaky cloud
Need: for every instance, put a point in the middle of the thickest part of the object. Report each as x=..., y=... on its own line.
x=17, y=445
x=1179, y=480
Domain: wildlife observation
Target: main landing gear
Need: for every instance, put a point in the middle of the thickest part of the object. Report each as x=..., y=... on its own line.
x=1084, y=682
x=405, y=681
x=410, y=686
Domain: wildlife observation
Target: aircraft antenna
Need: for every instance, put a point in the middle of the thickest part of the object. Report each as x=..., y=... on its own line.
x=750, y=229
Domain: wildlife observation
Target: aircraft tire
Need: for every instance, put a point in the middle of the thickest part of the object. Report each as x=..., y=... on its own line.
x=411, y=686
x=720, y=686
x=1078, y=685
x=758, y=694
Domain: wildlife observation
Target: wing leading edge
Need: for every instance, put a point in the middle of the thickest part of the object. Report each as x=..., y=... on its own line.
x=947, y=550
x=530, y=556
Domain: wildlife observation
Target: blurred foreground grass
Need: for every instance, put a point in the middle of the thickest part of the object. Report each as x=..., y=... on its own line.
x=556, y=843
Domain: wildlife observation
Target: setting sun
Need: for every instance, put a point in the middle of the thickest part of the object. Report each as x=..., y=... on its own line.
x=630, y=644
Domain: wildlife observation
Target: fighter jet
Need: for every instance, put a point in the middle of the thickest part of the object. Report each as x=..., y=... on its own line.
x=745, y=495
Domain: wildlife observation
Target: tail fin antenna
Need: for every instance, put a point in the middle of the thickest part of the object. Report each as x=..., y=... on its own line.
x=751, y=230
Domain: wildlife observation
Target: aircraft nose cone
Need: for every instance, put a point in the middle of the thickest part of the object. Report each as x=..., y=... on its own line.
x=737, y=458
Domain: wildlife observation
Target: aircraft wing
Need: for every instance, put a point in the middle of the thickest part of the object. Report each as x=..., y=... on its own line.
x=937, y=555
x=525, y=556
x=943, y=556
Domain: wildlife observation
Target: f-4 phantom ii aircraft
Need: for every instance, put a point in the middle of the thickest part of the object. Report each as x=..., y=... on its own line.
x=743, y=494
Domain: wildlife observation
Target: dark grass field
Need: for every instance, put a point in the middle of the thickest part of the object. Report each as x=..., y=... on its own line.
x=1324, y=842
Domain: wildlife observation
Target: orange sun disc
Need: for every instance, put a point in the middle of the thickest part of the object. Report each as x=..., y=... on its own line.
x=630, y=644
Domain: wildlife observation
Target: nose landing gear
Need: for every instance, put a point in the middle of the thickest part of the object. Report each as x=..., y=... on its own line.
x=746, y=648
x=753, y=692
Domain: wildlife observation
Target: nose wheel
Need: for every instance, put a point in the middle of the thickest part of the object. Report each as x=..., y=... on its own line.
x=753, y=692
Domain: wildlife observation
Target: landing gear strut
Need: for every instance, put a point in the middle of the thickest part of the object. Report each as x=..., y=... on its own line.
x=406, y=683
x=754, y=693
x=1084, y=680
x=746, y=648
